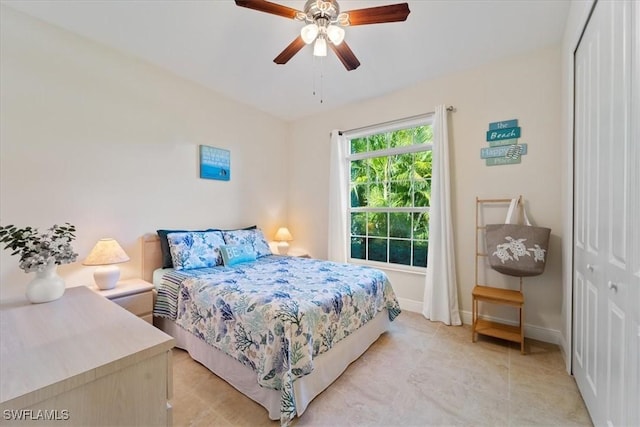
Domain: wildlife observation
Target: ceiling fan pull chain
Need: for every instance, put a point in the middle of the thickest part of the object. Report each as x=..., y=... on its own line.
x=321, y=80
x=320, y=67
x=314, y=76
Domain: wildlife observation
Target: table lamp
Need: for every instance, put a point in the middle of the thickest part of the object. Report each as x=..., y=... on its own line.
x=105, y=254
x=283, y=236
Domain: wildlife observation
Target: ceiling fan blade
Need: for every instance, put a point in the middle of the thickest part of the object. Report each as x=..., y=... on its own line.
x=289, y=51
x=346, y=55
x=268, y=7
x=380, y=14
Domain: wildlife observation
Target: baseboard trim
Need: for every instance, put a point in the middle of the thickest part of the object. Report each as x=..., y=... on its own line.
x=566, y=353
x=410, y=305
x=535, y=332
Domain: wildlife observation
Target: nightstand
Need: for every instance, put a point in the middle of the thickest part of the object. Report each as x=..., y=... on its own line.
x=134, y=295
x=297, y=252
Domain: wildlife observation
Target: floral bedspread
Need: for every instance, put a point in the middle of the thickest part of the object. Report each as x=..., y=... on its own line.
x=277, y=313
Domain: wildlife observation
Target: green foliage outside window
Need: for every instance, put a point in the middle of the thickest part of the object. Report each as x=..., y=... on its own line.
x=390, y=193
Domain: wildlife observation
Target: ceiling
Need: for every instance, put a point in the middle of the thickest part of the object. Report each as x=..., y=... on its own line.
x=231, y=49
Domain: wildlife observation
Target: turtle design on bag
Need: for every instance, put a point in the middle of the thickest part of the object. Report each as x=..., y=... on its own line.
x=518, y=249
x=538, y=253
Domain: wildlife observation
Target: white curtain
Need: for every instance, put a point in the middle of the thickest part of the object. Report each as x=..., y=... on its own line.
x=338, y=200
x=440, y=292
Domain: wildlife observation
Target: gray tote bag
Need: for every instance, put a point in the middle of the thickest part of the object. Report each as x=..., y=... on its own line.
x=517, y=249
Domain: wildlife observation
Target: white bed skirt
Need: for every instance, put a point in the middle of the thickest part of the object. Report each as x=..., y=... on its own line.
x=327, y=366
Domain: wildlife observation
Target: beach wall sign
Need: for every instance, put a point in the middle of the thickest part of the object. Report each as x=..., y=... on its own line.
x=503, y=144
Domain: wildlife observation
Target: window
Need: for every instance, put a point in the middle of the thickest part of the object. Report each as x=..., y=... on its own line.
x=390, y=190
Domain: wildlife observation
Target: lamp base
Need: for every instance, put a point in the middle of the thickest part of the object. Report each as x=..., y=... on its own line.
x=283, y=248
x=106, y=276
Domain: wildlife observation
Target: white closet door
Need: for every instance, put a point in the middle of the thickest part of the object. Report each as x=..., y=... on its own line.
x=633, y=391
x=588, y=209
x=606, y=216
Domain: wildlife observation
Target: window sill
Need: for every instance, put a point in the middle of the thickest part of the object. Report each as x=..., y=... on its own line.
x=420, y=271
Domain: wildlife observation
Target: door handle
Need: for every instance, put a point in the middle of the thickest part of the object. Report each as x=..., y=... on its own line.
x=612, y=286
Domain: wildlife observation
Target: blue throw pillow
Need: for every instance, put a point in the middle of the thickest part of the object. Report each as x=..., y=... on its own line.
x=195, y=249
x=236, y=254
x=254, y=237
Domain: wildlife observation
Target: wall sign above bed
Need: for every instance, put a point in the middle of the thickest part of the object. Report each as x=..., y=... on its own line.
x=215, y=163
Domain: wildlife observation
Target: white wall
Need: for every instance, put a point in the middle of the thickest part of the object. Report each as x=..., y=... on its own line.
x=526, y=87
x=110, y=144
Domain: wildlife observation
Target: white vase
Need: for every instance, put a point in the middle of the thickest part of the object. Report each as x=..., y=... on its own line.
x=46, y=286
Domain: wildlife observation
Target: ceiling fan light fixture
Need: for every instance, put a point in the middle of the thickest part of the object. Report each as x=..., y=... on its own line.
x=309, y=33
x=335, y=34
x=320, y=47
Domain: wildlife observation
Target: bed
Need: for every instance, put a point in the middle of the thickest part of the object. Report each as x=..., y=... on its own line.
x=279, y=329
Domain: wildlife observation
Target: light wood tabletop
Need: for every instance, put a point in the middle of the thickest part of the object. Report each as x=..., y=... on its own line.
x=48, y=349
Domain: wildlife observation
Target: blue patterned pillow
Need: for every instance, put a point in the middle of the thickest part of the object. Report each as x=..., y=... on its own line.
x=255, y=238
x=236, y=254
x=164, y=244
x=195, y=249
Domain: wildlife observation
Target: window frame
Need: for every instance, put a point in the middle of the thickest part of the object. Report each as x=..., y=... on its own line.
x=413, y=122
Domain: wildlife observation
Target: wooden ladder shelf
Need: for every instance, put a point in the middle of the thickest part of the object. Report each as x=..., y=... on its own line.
x=495, y=295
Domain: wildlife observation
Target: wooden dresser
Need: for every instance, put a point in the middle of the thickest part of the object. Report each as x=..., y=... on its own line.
x=84, y=361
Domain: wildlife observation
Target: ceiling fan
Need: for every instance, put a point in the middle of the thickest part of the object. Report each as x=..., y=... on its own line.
x=324, y=25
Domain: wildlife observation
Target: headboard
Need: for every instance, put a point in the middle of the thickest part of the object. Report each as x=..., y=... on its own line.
x=151, y=256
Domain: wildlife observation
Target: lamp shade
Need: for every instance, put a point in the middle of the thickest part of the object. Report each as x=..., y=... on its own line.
x=309, y=33
x=336, y=34
x=320, y=47
x=106, y=251
x=283, y=235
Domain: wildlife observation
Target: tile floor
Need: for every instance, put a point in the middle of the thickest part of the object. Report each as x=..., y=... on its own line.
x=420, y=373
